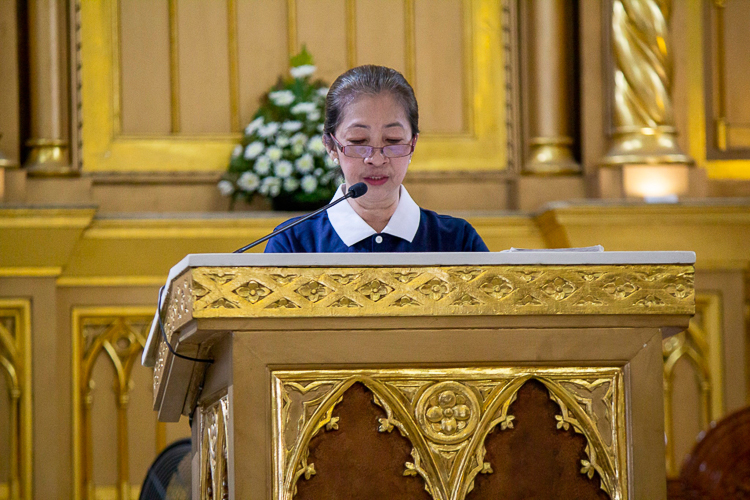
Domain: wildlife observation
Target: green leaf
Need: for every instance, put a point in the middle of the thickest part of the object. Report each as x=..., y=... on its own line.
x=301, y=59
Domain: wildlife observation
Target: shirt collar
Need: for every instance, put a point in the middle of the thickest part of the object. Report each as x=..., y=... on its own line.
x=352, y=229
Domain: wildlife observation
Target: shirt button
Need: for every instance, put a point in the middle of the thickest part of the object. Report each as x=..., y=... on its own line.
x=378, y=239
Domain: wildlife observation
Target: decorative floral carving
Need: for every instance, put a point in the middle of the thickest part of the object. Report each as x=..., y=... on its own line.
x=405, y=301
x=650, y=300
x=223, y=303
x=344, y=279
x=345, y=302
x=497, y=287
x=283, y=279
x=282, y=303
x=221, y=277
x=529, y=276
x=448, y=412
x=435, y=289
x=466, y=300
x=559, y=288
x=252, y=291
x=620, y=288
x=590, y=276
x=468, y=274
x=529, y=300
x=589, y=300
x=199, y=291
x=404, y=276
x=313, y=291
x=680, y=286
x=375, y=290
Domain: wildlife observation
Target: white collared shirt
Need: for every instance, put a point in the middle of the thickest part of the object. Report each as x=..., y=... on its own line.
x=352, y=229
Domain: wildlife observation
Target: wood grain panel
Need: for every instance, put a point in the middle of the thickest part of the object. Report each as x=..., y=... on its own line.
x=321, y=24
x=380, y=33
x=204, y=67
x=440, y=66
x=261, y=34
x=144, y=59
x=737, y=53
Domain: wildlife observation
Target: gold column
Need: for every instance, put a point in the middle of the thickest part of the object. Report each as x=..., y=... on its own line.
x=49, y=151
x=644, y=131
x=550, y=80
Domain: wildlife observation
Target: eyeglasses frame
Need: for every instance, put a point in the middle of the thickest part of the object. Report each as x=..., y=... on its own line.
x=412, y=143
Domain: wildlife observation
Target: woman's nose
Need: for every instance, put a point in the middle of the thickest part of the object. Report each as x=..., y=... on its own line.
x=377, y=157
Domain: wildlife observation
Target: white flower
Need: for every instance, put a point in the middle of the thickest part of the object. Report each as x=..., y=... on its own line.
x=274, y=153
x=318, y=172
x=309, y=184
x=304, y=163
x=316, y=146
x=320, y=128
x=290, y=184
x=248, y=182
x=303, y=108
x=302, y=71
x=268, y=130
x=226, y=188
x=254, y=149
x=299, y=139
x=282, y=97
x=263, y=165
x=237, y=151
x=292, y=126
x=254, y=125
x=271, y=186
x=282, y=141
x=283, y=169
x=314, y=116
x=322, y=92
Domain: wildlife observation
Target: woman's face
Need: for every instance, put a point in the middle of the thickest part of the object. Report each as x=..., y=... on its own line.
x=376, y=121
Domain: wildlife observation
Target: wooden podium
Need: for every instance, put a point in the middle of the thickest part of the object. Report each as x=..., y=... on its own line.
x=443, y=376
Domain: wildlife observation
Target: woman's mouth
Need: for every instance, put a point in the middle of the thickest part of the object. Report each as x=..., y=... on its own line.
x=376, y=180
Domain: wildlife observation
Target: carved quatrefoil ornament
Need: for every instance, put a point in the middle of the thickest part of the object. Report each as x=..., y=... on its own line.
x=448, y=412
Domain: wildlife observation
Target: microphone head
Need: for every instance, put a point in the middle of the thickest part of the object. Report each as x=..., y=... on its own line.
x=357, y=190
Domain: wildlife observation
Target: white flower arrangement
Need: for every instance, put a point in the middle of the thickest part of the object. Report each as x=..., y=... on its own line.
x=282, y=155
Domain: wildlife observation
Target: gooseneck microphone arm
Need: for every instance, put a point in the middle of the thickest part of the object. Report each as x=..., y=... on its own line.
x=355, y=191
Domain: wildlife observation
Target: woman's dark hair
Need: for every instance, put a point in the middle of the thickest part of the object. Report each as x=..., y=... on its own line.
x=369, y=80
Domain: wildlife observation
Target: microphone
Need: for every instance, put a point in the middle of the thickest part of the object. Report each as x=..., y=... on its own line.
x=354, y=191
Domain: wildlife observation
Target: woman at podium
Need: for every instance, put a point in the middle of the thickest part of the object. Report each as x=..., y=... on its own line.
x=371, y=131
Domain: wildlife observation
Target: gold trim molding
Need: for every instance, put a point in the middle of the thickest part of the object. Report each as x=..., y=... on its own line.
x=446, y=415
x=435, y=291
x=483, y=147
x=118, y=334
x=15, y=368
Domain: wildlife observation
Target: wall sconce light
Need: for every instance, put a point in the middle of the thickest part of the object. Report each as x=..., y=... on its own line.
x=656, y=183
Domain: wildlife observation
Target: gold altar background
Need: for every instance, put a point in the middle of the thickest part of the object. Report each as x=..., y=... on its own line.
x=146, y=99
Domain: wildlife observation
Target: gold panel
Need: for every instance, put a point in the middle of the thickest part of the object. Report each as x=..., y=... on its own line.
x=447, y=414
x=717, y=169
x=116, y=334
x=215, y=292
x=15, y=369
x=483, y=147
x=701, y=346
x=214, y=421
x=493, y=290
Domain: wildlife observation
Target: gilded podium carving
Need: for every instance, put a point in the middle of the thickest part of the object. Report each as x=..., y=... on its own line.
x=447, y=415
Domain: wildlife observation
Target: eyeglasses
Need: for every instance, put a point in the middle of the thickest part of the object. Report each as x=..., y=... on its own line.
x=392, y=151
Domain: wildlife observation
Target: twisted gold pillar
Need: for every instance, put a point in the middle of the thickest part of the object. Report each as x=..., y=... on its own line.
x=550, y=86
x=644, y=131
x=49, y=150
